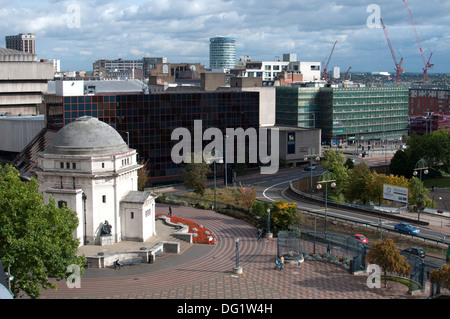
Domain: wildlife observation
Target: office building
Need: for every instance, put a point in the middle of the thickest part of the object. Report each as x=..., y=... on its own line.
x=369, y=114
x=23, y=42
x=222, y=53
x=147, y=121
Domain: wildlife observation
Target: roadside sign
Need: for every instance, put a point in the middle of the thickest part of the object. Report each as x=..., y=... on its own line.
x=395, y=193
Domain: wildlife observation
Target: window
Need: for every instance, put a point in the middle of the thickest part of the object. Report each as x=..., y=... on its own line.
x=132, y=215
x=74, y=165
x=104, y=198
x=62, y=204
x=68, y=165
x=103, y=165
x=61, y=165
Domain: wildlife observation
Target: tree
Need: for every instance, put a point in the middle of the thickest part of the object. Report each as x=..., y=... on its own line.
x=386, y=255
x=418, y=194
x=248, y=194
x=282, y=215
x=36, y=239
x=194, y=176
x=376, y=182
x=334, y=162
x=441, y=276
x=143, y=174
x=357, y=189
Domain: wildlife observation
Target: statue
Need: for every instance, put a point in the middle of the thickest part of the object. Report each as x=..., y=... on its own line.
x=106, y=229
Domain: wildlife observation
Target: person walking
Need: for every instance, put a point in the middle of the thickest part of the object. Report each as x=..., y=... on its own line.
x=170, y=211
x=281, y=263
x=260, y=234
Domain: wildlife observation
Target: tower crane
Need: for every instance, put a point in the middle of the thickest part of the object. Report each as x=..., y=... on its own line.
x=427, y=65
x=324, y=71
x=346, y=73
x=398, y=66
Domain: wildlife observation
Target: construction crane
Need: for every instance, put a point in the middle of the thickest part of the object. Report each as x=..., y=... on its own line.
x=398, y=66
x=427, y=65
x=346, y=73
x=324, y=71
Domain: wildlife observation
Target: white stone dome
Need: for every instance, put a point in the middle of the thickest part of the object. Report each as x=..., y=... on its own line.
x=87, y=136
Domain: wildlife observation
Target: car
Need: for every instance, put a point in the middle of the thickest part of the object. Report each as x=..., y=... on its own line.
x=361, y=238
x=406, y=228
x=310, y=167
x=418, y=251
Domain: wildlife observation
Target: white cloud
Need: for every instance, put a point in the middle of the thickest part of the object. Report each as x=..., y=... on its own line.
x=180, y=29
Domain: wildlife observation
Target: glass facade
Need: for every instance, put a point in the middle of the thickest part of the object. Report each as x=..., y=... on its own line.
x=149, y=119
x=346, y=113
x=222, y=53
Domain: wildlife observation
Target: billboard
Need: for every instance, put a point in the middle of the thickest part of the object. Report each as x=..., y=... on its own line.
x=395, y=193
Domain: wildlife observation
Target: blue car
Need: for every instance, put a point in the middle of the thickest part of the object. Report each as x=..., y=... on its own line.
x=406, y=228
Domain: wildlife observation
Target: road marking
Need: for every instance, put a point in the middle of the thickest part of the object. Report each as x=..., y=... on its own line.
x=264, y=192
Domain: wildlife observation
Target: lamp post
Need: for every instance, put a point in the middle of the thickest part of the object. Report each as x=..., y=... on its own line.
x=84, y=197
x=325, y=179
x=421, y=165
x=214, y=160
x=310, y=157
x=268, y=234
x=237, y=269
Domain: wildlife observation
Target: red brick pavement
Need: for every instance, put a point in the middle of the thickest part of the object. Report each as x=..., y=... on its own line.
x=205, y=272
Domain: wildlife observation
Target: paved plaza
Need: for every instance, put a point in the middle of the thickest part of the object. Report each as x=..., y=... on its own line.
x=206, y=271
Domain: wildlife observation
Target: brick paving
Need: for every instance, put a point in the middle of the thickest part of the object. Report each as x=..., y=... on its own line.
x=205, y=272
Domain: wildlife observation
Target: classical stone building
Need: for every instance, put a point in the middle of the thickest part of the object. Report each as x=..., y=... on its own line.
x=88, y=167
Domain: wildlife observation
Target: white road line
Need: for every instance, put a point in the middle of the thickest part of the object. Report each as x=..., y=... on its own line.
x=264, y=192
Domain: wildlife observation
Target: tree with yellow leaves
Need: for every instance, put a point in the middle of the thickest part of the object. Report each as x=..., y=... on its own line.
x=386, y=255
x=282, y=215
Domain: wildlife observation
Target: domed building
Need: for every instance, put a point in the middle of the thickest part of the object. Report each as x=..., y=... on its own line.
x=88, y=167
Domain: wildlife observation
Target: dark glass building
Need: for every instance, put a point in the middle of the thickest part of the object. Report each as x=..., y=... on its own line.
x=147, y=120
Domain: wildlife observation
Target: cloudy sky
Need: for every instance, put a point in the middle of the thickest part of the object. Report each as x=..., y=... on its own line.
x=80, y=32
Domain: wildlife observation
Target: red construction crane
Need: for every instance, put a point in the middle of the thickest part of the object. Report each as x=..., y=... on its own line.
x=324, y=71
x=427, y=64
x=346, y=73
x=398, y=66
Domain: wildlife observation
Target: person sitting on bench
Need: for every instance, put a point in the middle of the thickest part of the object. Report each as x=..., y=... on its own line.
x=117, y=264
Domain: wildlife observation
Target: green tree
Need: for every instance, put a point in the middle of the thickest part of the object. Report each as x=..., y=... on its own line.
x=194, y=176
x=418, y=194
x=357, y=189
x=334, y=162
x=376, y=182
x=386, y=255
x=36, y=239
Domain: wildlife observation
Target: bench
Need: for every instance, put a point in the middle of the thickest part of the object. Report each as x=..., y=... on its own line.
x=129, y=261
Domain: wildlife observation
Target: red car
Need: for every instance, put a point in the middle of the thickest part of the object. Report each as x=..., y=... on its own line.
x=361, y=238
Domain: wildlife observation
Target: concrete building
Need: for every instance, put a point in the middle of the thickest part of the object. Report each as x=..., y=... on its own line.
x=17, y=132
x=22, y=81
x=89, y=168
x=222, y=53
x=298, y=143
x=24, y=42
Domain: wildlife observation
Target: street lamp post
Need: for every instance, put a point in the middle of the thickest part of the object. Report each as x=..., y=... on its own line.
x=310, y=157
x=214, y=160
x=325, y=179
x=421, y=165
x=237, y=269
x=269, y=234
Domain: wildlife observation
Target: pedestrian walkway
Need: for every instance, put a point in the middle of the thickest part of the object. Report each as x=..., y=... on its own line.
x=206, y=271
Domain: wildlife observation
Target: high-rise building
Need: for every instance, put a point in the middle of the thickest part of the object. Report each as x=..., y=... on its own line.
x=222, y=53
x=24, y=42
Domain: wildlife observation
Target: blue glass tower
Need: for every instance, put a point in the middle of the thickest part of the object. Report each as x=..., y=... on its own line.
x=222, y=53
